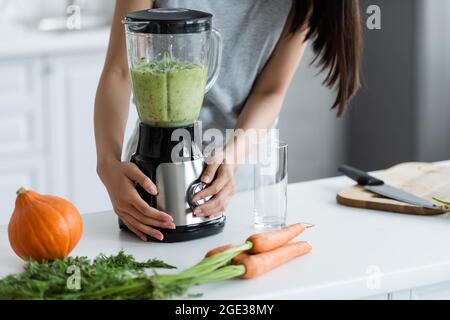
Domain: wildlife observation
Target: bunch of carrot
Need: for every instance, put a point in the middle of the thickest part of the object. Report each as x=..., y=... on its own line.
x=259, y=254
x=267, y=250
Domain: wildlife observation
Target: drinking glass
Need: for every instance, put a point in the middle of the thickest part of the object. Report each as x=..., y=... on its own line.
x=270, y=185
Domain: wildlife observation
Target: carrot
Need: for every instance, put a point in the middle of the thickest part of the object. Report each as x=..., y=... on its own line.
x=220, y=249
x=267, y=241
x=236, y=260
x=240, y=258
x=256, y=265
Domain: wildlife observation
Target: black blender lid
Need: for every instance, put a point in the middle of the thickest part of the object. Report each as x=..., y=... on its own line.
x=168, y=21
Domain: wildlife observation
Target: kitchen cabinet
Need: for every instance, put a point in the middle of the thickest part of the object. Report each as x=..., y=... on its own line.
x=25, y=170
x=400, y=295
x=22, y=142
x=46, y=128
x=439, y=291
x=378, y=297
x=71, y=82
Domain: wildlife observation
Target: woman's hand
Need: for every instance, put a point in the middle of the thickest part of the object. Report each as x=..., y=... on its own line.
x=120, y=179
x=219, y=174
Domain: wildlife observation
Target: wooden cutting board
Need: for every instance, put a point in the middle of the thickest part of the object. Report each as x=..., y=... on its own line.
x=421, y=179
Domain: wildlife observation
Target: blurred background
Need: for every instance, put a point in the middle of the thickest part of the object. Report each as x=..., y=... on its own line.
x=49, y=76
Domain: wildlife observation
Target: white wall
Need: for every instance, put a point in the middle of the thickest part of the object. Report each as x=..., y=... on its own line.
x=316, y=137
x=433, y=81
x=381, y=119
x=402, y=112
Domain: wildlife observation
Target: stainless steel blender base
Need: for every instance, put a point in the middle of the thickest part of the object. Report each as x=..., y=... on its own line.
x=177, y=180
x=174, y=182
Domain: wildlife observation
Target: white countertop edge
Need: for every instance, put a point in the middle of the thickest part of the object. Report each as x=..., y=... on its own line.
x=356, y=288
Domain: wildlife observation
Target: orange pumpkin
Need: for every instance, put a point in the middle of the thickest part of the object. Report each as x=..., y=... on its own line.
x=43, y=227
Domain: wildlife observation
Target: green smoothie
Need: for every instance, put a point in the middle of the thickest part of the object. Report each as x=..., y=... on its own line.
x=168, y=93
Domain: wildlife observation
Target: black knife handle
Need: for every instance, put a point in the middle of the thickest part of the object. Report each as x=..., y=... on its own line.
x=363, y=178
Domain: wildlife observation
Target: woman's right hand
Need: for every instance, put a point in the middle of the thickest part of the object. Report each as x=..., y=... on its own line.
x=120, y=179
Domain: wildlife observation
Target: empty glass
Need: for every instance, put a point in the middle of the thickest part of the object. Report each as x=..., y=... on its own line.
x=270, y=185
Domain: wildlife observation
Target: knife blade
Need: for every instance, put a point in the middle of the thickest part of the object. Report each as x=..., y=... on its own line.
x=379, y=187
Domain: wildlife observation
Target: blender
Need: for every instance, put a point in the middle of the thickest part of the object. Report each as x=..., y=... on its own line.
x=174, y=58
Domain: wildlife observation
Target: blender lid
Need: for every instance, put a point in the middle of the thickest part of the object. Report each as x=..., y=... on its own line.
x=168, y=21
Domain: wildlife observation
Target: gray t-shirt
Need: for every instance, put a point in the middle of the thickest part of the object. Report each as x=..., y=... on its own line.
x=250, y=30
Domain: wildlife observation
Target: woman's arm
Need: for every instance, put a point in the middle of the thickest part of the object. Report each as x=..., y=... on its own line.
x=113, y=93
x=110, y=117
x=259, y=113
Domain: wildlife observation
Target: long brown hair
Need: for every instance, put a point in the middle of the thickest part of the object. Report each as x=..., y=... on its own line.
x=334, y=27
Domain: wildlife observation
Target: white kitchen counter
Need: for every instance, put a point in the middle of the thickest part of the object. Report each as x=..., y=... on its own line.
x=19, y=41
x=356, y=253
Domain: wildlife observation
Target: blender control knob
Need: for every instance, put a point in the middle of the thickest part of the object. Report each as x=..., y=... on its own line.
x=194, y=189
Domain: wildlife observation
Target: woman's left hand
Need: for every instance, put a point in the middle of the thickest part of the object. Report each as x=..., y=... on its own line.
x=220, y=179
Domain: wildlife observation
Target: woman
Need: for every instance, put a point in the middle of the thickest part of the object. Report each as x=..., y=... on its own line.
x=264, y=41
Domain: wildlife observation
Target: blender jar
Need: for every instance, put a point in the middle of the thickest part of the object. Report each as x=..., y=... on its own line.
x=172, y=64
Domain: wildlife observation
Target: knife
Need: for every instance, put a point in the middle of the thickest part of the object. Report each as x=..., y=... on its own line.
x=379, y=187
